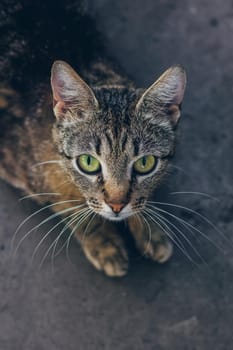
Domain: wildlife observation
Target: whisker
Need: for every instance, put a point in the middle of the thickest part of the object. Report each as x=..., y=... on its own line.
x=67, y=226
x=72, y=219
x=37, y=212
x=163, y=221
x=85, y=216
x=51, y=230
x=71, y=223
x=54, y=243
x=182, y=234
x=196, y=193
x=47, y=162
x=196, y=213
x=180, y=169
x=191, y=226
x=89, y=223
x=137, y=216
x=43, y=222
x=40, y=194
x=170, y=234
x=149, y=234
x=63, y=184
x=183, y=250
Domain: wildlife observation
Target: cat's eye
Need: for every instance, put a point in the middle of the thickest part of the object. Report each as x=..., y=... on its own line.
x=88, y=164
x=145, y=165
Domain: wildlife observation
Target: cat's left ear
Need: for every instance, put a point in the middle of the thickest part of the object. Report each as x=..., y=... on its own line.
x=72, y=97
x=165, y=95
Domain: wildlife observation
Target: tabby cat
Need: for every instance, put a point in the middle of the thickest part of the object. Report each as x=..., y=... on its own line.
x=95, y=147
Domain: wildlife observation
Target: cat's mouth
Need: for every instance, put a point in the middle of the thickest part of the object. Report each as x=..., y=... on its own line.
x=108, y=213
x=115, y=216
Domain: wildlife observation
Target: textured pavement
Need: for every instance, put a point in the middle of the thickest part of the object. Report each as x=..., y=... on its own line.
x=182, y=305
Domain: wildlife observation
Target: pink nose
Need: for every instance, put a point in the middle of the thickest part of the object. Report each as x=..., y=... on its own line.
x=116, y=207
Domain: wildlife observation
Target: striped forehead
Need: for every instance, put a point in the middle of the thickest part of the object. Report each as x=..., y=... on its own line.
x=114, y=146
x=115, y=153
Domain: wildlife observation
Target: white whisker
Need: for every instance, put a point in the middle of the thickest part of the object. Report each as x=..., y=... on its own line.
x=170, y=234
x=179, y=168
x=84, y=217
x=86, y=228
x=51, y=230
x=66, y=227
x=78, y=217
x=40, y=194
x=193, y=212
x=191, y=226
x=183, y=250
x=47, y=162
x=163, y=221
x=35, y=213
x=43, y=222
x=55, y=242
x=149, y=234
x=63, y=184
x=195, y=193
x=182, y=234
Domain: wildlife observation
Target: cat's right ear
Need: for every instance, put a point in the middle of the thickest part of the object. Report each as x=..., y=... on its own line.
x=165, y=95
x=72, y=97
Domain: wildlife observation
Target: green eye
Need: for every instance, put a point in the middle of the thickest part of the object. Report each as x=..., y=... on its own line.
x=88, y=164
x=145, y=165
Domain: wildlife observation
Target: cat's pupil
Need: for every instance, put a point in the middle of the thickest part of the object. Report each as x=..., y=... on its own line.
x=144, y=161
x=88, y=160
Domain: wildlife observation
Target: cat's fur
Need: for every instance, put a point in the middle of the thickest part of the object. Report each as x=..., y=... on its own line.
x=109, y=119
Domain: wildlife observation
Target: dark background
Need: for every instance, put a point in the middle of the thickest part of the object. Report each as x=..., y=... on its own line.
x=181, y=305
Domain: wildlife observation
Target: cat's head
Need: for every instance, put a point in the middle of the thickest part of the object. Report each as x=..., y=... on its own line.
x=116, y=142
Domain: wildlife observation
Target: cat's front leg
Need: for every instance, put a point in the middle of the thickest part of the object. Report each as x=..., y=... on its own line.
x=104, y=248
x=150, y=240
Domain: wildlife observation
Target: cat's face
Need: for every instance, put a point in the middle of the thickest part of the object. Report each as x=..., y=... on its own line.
x=116, y=142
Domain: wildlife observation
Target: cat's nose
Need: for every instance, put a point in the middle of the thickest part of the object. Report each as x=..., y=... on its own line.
x=116, y=207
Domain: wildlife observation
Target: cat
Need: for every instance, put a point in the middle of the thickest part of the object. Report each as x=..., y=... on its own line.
x=93, y=145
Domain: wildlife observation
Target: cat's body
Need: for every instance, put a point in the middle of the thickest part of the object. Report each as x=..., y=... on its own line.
x=101, y=158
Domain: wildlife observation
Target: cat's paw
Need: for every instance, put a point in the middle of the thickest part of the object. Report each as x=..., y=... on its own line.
x=159, y=251
x=108, y=255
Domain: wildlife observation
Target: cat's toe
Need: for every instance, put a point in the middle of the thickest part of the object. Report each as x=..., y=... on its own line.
x=159, y=251
x=115, y=266
x=108, y=257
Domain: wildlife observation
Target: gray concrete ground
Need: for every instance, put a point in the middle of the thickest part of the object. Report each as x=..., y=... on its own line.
x=183, y=304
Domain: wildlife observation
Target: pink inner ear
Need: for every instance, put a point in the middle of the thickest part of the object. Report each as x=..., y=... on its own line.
x=57, y=85
x=55, y=101
x=59, y=107
x=174, y=113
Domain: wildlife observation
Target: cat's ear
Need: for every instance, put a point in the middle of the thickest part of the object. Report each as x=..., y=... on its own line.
x=72, y=97
x=165, y=95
